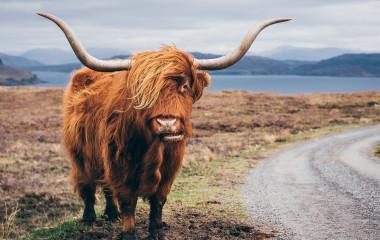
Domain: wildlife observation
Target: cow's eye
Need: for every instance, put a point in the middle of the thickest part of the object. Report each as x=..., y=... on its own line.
x=178, y=78
x=185, y=87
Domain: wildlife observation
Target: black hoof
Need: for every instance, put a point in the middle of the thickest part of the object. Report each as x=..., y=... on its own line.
x=111, y=215
x=88, y=221
x=89, y=216
x=127, y=236
x=157, y=234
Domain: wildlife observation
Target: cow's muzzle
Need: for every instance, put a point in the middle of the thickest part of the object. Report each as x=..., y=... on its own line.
x=168, y=128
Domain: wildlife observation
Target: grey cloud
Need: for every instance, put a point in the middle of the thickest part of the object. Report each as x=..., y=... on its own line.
x=209, y=26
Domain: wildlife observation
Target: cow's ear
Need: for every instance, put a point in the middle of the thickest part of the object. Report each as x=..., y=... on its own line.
x=204, y=78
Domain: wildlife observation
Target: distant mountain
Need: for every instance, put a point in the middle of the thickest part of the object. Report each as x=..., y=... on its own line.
x=256, y=65
x=50, y=56
x=105, y=53
x=363, y=65
x=120, y=56
x=366, y=65
x=296, y=63
x=18, y=62
x=304, y=54
x=247, y=65
x=343, y=65
x=69, y=67
x=10, y=76
x=55, y=56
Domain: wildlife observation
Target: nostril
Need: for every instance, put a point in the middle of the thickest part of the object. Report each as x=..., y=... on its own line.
x=166, y=122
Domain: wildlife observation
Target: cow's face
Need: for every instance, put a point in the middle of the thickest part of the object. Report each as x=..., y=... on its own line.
x=169, y=118
x=179, y=86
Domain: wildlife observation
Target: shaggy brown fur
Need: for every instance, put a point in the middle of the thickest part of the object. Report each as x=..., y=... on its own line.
x=110, y=136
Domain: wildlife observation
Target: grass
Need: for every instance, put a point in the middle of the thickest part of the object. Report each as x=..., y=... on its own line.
x=232, y=131
x=200, y=189
x=59, y=232
x=7, y=226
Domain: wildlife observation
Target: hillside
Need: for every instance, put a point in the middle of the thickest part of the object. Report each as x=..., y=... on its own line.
x=251, y=65
x=304, y=54
x=55, y=56
x=17, y=61
x=367, y=65
x=347, y=65
x=50, y=56
x=10, y=76
x=69, y=67
x=248, y=65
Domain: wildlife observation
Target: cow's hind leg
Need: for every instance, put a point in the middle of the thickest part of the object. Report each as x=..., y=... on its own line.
x=85, y=186
x=110, y=213
x=87, y=193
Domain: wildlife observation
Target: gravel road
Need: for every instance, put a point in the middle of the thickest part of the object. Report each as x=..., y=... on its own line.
x=327, y=188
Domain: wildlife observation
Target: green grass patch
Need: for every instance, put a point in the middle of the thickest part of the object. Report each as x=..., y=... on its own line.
x=61, y=231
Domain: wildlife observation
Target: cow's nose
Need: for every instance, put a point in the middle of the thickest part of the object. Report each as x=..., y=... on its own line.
x=167, y=122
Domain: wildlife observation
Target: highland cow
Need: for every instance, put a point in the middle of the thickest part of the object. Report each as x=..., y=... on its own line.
x=126, y=123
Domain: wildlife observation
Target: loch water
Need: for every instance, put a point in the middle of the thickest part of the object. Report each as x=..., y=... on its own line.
x=282, y=84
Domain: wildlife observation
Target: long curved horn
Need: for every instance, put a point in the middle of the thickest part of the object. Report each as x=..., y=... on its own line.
x=237, y=53
x=81, y=53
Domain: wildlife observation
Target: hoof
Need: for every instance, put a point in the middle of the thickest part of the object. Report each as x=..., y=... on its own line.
x=111, y=215
x=87, y=222
x=157, y=234
x=89, y=217
x=127, y=236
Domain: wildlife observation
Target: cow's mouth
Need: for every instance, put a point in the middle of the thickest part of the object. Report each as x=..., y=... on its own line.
x=172, y=137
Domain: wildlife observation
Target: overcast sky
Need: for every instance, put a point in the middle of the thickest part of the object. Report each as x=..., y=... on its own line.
x=205, y=25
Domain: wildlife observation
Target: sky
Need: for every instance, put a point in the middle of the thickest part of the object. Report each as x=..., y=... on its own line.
x=192, y=25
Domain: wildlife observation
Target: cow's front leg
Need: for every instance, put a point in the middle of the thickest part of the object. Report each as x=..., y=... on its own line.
x=127, y=208
x=157, y=202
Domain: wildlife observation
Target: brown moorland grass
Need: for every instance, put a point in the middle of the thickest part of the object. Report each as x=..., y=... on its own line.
x=377, y=150
x=231, y=130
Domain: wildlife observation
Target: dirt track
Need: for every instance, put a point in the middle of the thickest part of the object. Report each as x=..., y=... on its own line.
x=322, y=189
